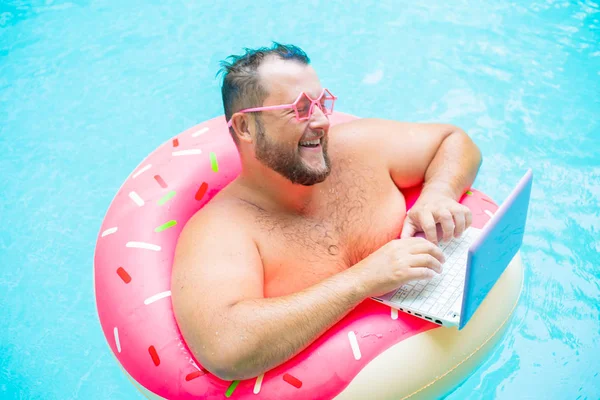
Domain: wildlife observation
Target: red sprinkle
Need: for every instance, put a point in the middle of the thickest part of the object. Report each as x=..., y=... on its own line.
x=200, y=193
x=124, y=275
x=194, y=375
x=175, y=142
x=160, y=181
x=154, y=355
x=292, y=380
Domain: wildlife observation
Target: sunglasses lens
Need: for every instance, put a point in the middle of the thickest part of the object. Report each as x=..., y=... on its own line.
x=303, y=106
x=327, y=101
x=327, y=105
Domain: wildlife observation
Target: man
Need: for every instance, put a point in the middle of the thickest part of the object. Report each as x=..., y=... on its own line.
x=310, y=227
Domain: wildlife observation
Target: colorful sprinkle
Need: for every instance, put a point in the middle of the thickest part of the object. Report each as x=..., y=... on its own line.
x=124, y=275
x=194, y=375
x=292, y=380
x=394, y=313
x=109, y=231
x=213, y=162
x=258, y=384
x=141, y=171
x=166, y=197
x=231, y=388
x=469, y=193
x=200, y=193
x=200, y=132
x=160, y=181
x=175, y=142
x=354, y=345
x=117, y=341
x=186, y=152
x=489, y=213
x=136, y=198
x=154, y=355
x=157, y=297
x=166, y=225
x=142, y=245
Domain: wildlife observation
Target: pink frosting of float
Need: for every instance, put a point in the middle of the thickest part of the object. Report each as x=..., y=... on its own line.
x=132, y=269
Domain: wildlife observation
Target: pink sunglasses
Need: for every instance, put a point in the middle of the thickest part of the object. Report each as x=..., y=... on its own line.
x=303, y=106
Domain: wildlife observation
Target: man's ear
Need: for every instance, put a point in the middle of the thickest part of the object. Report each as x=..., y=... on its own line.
x=241, y=126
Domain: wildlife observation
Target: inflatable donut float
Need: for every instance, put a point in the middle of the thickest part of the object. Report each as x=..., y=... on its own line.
x=373, y=352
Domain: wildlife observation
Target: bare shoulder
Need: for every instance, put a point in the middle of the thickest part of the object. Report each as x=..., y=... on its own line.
x=366, y=129
x=219, y=230
x=218, y=217
x=363, y=138
x=216, y=262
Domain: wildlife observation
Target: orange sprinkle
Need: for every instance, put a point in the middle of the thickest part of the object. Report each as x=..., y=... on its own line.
x=292, y=380
x=154, y=355
x=202, y=191
x=123, y=275
x=160, y=181
x=194, y=375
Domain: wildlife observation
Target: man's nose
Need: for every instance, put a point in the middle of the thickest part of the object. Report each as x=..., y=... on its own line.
x=318, y=119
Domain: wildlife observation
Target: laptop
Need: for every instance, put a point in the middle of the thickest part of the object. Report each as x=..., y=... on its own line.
x=474, y=262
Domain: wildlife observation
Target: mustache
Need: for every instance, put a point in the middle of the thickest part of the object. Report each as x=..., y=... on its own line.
x=316, y=135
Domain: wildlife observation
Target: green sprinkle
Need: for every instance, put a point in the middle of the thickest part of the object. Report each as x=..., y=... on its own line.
x=469, y=193
x=166, y=197
x=231, y=388
x=213, y=162
x=165, y=226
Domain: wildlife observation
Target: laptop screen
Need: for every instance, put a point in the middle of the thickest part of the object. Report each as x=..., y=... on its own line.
x=491, y=253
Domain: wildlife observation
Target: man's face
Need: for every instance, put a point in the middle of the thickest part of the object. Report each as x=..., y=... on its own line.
x=295, y=149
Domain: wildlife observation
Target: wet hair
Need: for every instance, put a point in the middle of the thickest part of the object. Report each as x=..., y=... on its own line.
x=241, y=86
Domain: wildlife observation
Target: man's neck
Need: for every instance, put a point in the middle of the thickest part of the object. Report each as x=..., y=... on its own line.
x=270, y=191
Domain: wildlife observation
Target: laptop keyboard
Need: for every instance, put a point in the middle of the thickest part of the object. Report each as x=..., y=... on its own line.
x=438, y=295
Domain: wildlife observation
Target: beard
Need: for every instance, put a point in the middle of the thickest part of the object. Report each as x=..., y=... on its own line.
x=287, y=161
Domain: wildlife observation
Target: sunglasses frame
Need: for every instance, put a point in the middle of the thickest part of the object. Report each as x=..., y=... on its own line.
x=294, y=106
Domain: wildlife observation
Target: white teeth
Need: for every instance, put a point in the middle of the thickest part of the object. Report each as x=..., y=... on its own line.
x=310, y=142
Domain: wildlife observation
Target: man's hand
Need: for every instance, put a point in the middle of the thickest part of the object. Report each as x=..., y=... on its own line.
x=436, y=208
x=396, y=263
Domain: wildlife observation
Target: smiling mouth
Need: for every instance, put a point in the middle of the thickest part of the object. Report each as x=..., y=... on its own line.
x=311, y=143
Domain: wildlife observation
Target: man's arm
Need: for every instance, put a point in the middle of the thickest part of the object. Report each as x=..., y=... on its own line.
x=442, y=157
x=217, y=292
x=455, y=163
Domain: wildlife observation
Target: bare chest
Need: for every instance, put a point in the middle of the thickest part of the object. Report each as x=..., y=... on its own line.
x=360, y=213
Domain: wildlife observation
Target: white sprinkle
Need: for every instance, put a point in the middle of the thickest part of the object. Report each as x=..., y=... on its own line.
x=117, y=341
x=194, y=365
x=186, y=152
x=258, y=384
x=200, y=132
x=136, y=198
x=394, y=313
x=354, y=345
x=109, y=231
x=142, y=245
x=489, y=213
x=157, y=297
x=141, y=171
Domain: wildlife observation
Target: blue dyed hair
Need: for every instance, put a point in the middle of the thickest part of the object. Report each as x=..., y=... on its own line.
x=241, y=86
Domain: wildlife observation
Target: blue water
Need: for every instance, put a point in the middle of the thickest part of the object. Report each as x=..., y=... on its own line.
x=89, y=88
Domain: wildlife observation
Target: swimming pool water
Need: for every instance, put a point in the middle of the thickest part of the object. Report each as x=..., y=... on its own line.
x=89, y=88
